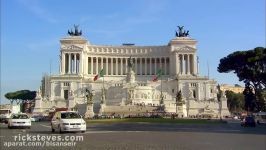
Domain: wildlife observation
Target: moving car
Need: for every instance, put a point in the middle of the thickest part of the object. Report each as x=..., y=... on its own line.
x=4, y=115
x=248, y=121
x=19, y=120
x=261, y=118
x=36, y=118
x=68, y=121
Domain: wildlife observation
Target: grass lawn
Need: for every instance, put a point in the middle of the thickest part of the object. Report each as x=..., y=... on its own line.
x=156, y=120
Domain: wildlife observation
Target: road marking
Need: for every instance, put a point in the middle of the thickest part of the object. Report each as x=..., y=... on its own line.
x=45, y=126
x=92, y=132
x=224, y=130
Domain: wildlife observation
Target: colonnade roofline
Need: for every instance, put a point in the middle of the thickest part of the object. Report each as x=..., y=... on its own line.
x=122, y=46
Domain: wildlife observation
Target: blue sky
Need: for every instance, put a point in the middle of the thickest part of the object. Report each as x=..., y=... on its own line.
x=31, y=30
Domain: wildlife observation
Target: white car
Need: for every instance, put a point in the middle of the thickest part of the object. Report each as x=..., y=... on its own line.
x=19, y=120
x=68, y=121
x=36, y=118
x=5, y=115
x=261, y=118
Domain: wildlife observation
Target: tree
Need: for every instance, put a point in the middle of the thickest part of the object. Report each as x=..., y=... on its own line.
x=250, y=67
x=235, y=101
x=20, y=96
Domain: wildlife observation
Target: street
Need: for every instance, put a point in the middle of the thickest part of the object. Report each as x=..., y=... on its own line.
x=230, y=136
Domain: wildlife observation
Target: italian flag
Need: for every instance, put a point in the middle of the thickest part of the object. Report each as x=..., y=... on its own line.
x=98, y=75
x=157, y=76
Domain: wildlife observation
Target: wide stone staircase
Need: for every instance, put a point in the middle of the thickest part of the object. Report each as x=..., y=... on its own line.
x=128, y=110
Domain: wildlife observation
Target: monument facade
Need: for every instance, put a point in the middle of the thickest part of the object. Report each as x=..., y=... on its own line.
x=124, y=77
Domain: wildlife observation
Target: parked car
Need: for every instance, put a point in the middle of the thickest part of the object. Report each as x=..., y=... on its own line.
x=68, y=121
x=248, y=121
x=19, y=120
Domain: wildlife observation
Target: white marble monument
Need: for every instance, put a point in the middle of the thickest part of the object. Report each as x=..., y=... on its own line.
x=129, y=81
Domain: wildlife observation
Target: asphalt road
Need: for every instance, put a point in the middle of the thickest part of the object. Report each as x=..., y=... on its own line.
x=140, y=136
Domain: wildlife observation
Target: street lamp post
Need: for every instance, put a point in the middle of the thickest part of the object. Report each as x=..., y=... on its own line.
x=162, y=98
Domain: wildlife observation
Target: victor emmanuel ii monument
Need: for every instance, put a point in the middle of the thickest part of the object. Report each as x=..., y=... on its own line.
x=130, y=79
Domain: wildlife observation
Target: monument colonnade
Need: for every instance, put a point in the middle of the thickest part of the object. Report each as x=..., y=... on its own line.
x=112, y=65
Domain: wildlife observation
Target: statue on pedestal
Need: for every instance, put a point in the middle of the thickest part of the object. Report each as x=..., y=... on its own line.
x=89, y=113
x=89, y=96
x=179, y=104
x=131, y=73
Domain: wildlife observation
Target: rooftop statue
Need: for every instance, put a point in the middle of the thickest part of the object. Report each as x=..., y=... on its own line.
x=76, y=31
x=181, y=33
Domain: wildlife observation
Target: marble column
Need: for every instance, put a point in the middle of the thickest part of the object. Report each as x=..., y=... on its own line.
x=112, y=66
x=75, y=63
x=86, y=64
x=194, y=64
x=69, y=63
x=160, y=64
x=155, y=65
x=136, y=66
x=91, y=65
x=165, y=66
x=116, y=66
x=106, y=64
x=126, y=64
x=150, y=66
x=121, y=66
x=101, y=62
x=188, y=64
x=145, y=66
x=198, y=91
x=140, y=66
x=96, y=65
x=63, y=70
x=183, y=64
x=79, y=68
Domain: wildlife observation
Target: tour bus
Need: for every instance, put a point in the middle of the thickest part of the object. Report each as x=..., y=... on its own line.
x=261, y=118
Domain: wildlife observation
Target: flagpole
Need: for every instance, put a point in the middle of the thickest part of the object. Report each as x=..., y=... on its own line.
x=103, y=96
x=103, y=82
x=161, y=89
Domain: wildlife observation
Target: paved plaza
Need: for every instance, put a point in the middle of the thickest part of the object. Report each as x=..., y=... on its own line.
x=153, y=136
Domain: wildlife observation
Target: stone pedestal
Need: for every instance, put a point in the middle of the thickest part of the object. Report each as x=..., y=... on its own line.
x=223, y=107
x=71, y=103
x=89, y=113
x=131, y=76
x=38, y=104
x=102, y=106
x=180, y=111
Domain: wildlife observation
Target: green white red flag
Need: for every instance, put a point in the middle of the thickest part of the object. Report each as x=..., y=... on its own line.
x=98, y=75
x=157, y=76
